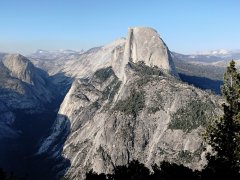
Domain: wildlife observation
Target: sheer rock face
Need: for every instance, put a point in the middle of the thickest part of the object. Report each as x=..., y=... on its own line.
x=145, y=44
x=99, y=132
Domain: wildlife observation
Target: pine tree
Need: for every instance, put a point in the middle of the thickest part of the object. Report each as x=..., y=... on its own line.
x=223, y=133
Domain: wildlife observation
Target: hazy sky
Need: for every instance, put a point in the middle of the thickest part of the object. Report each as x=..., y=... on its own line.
x=185, y=25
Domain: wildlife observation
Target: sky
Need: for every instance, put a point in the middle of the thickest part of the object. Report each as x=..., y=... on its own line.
x=186, y=26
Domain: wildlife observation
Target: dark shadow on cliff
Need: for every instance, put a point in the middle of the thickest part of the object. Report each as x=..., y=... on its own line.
x=202, y=82
x=51, y=164
x=62, y=82
x=18, y=155
x=32, y=124
x=21, y=157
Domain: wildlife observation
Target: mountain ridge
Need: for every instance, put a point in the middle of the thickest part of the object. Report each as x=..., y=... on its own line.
x=134, y=112
x=92, y=124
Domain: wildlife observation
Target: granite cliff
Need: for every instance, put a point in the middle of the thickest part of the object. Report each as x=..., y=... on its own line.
x=131, y=105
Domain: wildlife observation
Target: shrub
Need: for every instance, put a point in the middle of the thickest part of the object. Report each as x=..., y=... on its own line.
x=133, y=104
x=143, y=69
x=192, y=116
x=104, y=73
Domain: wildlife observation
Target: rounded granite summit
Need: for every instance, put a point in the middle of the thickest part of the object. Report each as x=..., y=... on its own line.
x=144, y=44
x=19, y=66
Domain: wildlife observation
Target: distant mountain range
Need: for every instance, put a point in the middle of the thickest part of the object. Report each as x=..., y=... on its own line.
x=203, y=69
x=44, y=54
x=210, y=56
x=218, y=52
x=201, y=56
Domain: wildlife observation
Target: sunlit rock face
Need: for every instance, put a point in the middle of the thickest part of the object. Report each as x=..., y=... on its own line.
x=133, y=107
x=145, y=44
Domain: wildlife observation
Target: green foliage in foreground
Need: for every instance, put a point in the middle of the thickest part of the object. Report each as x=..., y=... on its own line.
x=137, y=171
x=223, y=134
x=166, y=171
x=9, y=176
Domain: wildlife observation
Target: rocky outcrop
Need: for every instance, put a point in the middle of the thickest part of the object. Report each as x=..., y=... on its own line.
x=19, y=67
x=23, y=86
x=145, y=44
x=154, y=119
x=142, y=45
x=128, y=104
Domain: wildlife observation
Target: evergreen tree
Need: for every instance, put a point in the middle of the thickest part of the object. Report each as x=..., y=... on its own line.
x=223, y=133
x=138, y=171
